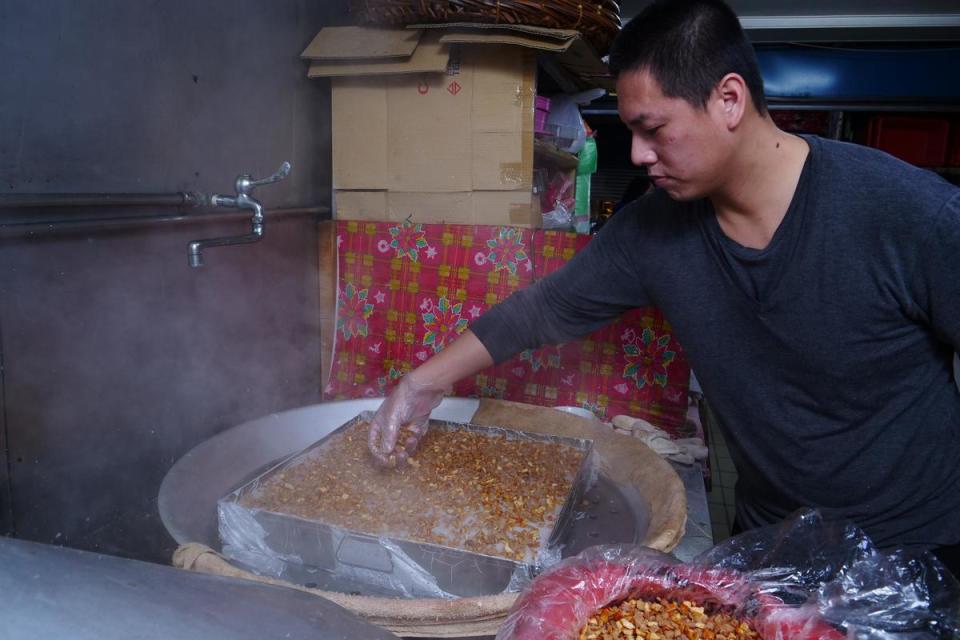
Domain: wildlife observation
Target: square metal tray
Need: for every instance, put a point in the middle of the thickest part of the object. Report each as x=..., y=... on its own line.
x=332, y=557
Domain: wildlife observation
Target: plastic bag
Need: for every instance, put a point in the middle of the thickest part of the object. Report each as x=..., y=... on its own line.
x=558, y=201
x=564, y=119
x=586, y=166
x=272, y=540
x=804, y=579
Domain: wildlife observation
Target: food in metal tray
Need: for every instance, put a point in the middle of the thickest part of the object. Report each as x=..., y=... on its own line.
x=480, y=492
x=663, y=620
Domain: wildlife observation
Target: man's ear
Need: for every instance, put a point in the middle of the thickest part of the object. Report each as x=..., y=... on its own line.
x=730, y=98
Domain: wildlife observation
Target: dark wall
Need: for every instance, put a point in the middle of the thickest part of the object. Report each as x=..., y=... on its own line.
x=176, y=95
x=116, y=357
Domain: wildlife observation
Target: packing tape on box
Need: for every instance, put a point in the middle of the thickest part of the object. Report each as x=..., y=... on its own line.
x=520, y=214
x=515, y=174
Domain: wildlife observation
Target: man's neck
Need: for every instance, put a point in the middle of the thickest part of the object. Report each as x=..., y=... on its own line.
x=762, y=180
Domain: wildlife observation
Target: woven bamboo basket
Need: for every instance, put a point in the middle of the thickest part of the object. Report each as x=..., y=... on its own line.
x=597, y=20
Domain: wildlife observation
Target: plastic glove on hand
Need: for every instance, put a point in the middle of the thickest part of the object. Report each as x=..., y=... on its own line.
x=408, y=408
x=685, y=451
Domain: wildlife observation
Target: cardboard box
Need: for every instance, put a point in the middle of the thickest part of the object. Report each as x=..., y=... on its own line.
x=444, y=131
x=364, y=58
x=359, y=44
x=469, y=128
x=584, y=67
x=514, y=208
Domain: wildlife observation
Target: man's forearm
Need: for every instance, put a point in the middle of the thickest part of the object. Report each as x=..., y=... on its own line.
x=464, y=357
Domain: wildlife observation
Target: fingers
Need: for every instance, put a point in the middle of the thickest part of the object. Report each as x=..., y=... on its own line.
x=390, y=446
x=392, y=458
x=399, y=454
x=381, y=442
x=413, y=433
x=386, y=461
x=419, y=427
x=373, y=437
x=382, y=454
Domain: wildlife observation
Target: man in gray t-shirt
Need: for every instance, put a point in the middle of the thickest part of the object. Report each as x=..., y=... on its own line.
x=812, y=283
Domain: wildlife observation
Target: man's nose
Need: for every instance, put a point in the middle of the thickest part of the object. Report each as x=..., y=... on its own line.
x=641, y=153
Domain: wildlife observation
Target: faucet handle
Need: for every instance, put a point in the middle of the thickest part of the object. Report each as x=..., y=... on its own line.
x=246, y=184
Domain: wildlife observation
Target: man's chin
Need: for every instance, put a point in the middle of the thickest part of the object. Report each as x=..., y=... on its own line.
x=679, y=194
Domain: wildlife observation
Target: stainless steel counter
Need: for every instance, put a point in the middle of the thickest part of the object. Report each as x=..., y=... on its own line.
x=699, y=535
x=53, y=592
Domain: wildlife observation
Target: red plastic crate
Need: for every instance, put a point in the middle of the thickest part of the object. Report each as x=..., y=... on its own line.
x=918, y=140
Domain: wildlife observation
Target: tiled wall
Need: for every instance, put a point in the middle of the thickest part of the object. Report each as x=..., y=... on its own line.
x=723, y=478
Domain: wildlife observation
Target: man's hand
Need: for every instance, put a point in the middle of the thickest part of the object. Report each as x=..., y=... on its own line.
x=408, y=406
x=419, y=393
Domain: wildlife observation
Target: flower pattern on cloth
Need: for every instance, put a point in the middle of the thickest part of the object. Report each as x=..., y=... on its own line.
x=491, y=392
x=384, y=383
x=442, y=323
x=548, y=356
x=408, y=239
x=648, y=357
x=407, y=290
x=506, y=250
x=352, y=312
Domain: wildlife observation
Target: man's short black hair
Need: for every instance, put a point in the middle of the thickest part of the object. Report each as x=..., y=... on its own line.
x=688, y=46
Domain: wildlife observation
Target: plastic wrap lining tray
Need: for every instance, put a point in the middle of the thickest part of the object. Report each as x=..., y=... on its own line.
x=324, y=555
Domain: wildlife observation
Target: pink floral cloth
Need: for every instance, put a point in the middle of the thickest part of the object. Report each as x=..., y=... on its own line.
x=407, y=290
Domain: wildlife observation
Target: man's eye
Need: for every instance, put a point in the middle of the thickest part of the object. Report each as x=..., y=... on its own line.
x=653, y=130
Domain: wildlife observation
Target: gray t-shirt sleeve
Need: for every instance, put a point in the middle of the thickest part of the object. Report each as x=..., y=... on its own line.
x=936, y=286
x=591, y=290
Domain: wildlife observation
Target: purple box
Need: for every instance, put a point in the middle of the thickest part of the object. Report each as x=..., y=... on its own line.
x=539, y=121
x=540, y=115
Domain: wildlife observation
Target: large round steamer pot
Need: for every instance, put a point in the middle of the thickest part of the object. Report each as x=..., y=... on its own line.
x=559, y=602
x=190, y=491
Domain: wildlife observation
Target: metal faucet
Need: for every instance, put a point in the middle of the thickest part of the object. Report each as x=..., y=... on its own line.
x=245, y=185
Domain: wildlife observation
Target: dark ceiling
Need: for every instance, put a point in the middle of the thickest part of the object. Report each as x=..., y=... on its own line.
x=841, y=20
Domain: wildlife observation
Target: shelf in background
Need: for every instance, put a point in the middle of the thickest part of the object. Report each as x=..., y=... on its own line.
x=561, y=159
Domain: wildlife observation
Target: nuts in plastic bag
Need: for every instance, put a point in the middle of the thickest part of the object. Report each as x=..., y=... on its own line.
x=805, y=579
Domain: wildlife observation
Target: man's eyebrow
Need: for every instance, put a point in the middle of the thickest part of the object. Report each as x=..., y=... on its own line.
x=639, y=119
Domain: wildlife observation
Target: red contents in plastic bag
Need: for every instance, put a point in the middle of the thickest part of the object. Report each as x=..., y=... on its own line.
x=560, y=192
x=559, y=603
